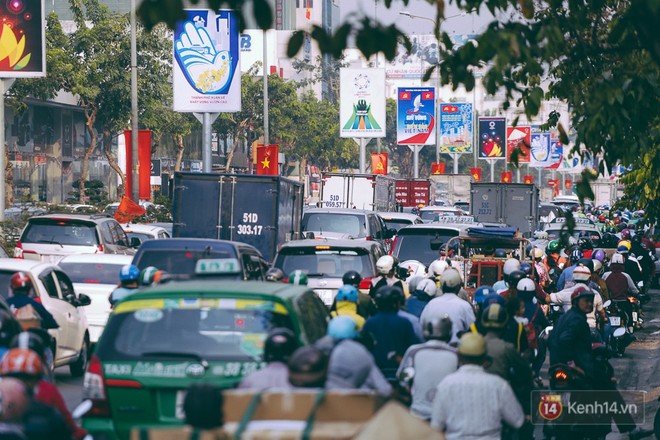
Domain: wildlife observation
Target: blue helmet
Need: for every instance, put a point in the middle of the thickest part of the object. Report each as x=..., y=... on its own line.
x=343, y=327
x=347, y=293
x=526, y=268
x=129, y=273
x=482, y=292
x=493, y=298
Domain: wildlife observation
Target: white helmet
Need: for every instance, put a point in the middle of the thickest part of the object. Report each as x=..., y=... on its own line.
x=385, y=264
x=451, y=278
x=428, y=286
x=526, y=285
x=617, y=259
x=537, y=253
x=437, y=327
x=414, y=267
x=598, y=266
x=581, y=273
x=510, y=265
x=414, y=281
x=437, y=267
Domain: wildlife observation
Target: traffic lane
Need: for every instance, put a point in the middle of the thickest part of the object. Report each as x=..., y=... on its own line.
x=70, y=387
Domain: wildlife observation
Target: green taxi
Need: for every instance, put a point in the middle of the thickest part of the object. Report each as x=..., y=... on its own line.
x=160, y=340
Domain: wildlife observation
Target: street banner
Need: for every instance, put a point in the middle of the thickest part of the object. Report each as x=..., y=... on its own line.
x=528, y=179
x=492, y=138
x=206, y=70
x=438, y=168
x=23, y=39
x=455, y=127
x=378, y=163
x=267, y=156
x=506, y=177
x=476, y=174
x=518, y=138
x=568, y=184
x=544, y=153
x=415, y=122
x=144, y=164
x=362, y=103
x=554, y=183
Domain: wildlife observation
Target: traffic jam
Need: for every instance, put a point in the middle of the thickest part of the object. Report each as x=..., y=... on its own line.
x=256, y=315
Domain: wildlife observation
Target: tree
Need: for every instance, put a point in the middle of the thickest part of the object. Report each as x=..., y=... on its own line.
x=599, y=57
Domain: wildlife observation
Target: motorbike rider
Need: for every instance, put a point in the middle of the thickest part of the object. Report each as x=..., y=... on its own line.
x=424, y=292
x=425, y=365
x=553, y=256
x=129, y=282
x=280, y=344
x=511, y=265
x=274, y=275
x=540, y=269
x=596, y=275
x=585, y=244
x=631, y=266
x=643, y=256
x=147, y=276
x=534, y=316
x=346, y=304
x=9, y=328
x=385, y=268
x=566, y=277
x=620, y=285
x=459, y=311
x=366, y=306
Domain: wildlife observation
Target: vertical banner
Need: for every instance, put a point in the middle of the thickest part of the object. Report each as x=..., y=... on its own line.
x=476, y=174
x=492, y=138
x=267, y=160
x=456, y=128
x=144, y=163
x=506, y=177
x=438, y=168
x=415, y=122
x=568, y=184
x=528, y=179
x=379, y=163
x=544, y=153
x=519, y=138
x=554, y=183
x=206, y=72
x=23, y=41
x=362, y=103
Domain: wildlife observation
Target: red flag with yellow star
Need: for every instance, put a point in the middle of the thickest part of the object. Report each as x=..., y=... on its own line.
x=379, y=163
x=528, y=179
x=267, y=160
x=476, y=174
x=438, y=168
x=507, y=176
x=568, y=183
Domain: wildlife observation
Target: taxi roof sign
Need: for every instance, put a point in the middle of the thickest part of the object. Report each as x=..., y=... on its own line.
x=217, y=266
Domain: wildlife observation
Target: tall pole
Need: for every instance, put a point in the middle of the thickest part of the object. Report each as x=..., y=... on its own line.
x=456, y=156
x=2, y=149
x=363, y=155
x=206, y=143
x=416, y=161
x=135, y=181
x=265, y=56
x=492, y=170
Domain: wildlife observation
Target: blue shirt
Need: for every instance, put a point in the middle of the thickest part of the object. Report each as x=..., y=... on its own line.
x=566, y=275
x=392, y=334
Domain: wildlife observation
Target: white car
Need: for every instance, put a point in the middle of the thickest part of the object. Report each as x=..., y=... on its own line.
x=145, y=232
x=430, y=213
x=53, y=288
x=96, y=276
x=398, y=220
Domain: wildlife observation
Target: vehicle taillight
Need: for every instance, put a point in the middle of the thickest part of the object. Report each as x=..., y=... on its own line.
x=99, y=248
x=94, y=389
x=368, y=238
x=396, y=238
x=18, y=250
x=365, y=284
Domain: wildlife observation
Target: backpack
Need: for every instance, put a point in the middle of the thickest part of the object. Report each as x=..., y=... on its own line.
x=27, y=317
x=530, y=330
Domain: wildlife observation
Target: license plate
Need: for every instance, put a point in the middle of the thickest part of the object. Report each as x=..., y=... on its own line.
x=615, y=321
x=634, y=314
x=325, y=295
x=178, y=405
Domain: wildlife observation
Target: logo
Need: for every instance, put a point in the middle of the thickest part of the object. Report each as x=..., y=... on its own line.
x=362, y=82
x=550, y=407
x=195, y=370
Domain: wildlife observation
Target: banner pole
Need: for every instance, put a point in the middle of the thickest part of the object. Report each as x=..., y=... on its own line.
x=492, y=170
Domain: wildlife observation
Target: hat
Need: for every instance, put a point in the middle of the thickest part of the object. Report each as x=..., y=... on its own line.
x=581, y=273
x=472, y=344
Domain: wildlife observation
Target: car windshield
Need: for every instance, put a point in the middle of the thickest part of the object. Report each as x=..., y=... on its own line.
x=60, y=232
x=5, y=275
x=212, y=329
x=325, y=262
x=177, y=261
x=92, y=273
x=140, y=235
x=422, y=245
x=397, y=224
x=351, y=224
x=431, y=214
x=555, y=234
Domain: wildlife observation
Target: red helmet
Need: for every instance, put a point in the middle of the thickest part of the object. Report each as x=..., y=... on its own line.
x=581, y=292
x=625, y=234
x=601, y=218
x=21, y=362
x=20, y=281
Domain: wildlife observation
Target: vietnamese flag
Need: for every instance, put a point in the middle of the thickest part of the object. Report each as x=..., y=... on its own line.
x=476, y=174
x=555, y=184
x=405, y=95
x=528, y=179
x=267, y=160
x=379, y=163
x=128, y=210
x=438, y=168
x=568, y=183
x=506, y=176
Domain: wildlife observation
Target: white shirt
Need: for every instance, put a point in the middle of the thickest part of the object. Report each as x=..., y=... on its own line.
x=471, y=404
x=563, y=297
x=459, y=311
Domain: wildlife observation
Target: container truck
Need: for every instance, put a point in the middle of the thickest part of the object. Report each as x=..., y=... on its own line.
x=374, y=192
x=412, y=192
x=515, y=204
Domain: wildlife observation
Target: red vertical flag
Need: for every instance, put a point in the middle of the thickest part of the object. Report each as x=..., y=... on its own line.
x=568, y=184
x=554, y=183
x=528, y=179
x=128, y=210
x=267, y=160
x=438, y=168
x=379, y=163
x=476, y=174
x=506, y=176
x=144, y=163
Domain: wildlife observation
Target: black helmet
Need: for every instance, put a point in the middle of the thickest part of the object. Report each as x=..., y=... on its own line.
x=308, y=367
x=587, y=262
x=637, y=238
x=352, y=278
x=585, y=243
x=280, y=344
x=494, y=316
x=500, y=253
x=274, y=274
x=9, y=328
x=388, y=298
x=29, y=340
x=576, y=254
x=515, y=277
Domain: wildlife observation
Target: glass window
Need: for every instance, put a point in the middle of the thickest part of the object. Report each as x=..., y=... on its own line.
x=107, y=233
x=121, y=235
x=422, y=245
x=49, y=283
x=325, y=262
x=313, y=316
x=139, y=235
x=92, y=273
x=396, y=224
x=65, y=284
x=177, y=261
x=352, y=224
x=62, y=232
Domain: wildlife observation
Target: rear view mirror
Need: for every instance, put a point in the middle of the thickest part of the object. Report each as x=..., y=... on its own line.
x=135, y=242
x=84, y=300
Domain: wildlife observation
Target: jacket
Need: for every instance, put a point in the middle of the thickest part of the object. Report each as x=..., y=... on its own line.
x=347, y=308
x=570, y=341
x=47, y=393
x=273, y=375
x=391, y=334
x=416, y=303
x=47, y=320
x=381, y=281
x=619, y=284
x=352, y=367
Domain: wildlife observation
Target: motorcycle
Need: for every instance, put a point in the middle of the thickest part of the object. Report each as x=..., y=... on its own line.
x=636, y=308
x=554, y=312
x=617, y=337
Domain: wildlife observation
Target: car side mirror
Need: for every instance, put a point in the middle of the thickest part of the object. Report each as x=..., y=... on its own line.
x=71, y=299
x=84, y=300
x=135, y=242
x=389, y=233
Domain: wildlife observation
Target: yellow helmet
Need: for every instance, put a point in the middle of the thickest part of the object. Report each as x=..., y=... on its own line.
x=625, y=243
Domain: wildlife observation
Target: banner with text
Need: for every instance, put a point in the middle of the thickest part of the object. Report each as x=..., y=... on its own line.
x=362, y=103
x=456, y=127
x=415, y=122
x=519, y=139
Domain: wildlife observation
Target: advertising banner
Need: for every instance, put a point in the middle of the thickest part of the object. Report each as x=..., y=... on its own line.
x=528, y=179
x=362, y=103
x=456, y=127
x=544, y=153
x=506, y=176
x=476, y=174
x=492, y=138
x=415, y=122
x=206, y=70
x=520, y=138
x=23, y=39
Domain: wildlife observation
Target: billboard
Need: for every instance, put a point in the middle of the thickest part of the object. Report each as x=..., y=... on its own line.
x=456, y=127
x=362, y=103
x=544, y=152
x=22, y=39
x=521, y=138
x=492, y=138
x=415, y=122
x=206, y=71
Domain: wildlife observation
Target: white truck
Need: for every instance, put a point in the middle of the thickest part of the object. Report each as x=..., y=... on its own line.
x=450, y=188
x=361, y=191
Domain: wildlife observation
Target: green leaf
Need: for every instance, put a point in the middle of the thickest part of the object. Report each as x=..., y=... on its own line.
x=295, y=43
x=263, y=14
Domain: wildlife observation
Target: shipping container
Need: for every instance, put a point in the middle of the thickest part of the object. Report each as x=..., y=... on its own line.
x=450, y=188
x=263, y=211
x=516, y=204
x=412, y=192
x=374, y=192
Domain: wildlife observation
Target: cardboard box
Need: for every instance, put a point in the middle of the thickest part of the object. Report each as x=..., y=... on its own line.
x=178, y=433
